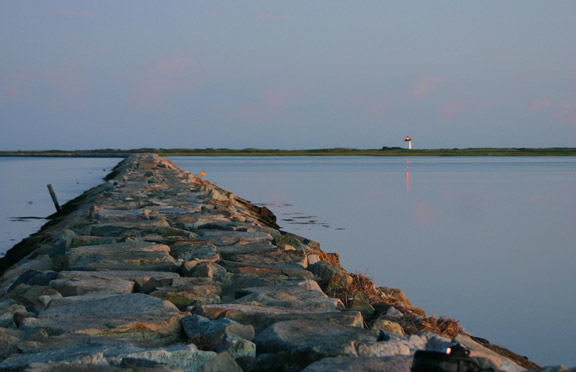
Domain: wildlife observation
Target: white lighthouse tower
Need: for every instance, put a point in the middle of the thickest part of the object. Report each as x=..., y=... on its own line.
x=409, y=140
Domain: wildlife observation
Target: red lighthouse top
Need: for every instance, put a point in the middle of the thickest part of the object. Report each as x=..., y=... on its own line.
x=408, y=139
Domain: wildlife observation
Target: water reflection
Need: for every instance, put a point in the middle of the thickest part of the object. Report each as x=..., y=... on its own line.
x=407, y=176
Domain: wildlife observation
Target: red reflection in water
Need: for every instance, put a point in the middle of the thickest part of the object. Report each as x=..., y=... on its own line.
x=407, y=181
x=407, y=176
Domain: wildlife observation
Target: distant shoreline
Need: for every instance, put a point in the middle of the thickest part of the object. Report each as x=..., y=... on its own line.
x=385, y=151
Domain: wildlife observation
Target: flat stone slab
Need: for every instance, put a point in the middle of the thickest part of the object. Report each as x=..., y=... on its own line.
x=224, y=238
x=140, y=278
x=261, y=317
x=354, y=364
x=135, y=316
x=287, y=296
x=186, y=357
x=321, y=337
x=190, y=291
x=92, y=285
x=270, y=257
x=122, y=256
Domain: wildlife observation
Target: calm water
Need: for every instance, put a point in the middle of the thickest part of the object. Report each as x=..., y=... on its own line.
x=487, y=241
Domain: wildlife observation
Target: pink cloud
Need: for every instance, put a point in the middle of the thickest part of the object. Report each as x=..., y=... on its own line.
x=375, y=106
x=272, y=17
x=567, y=110
x=425, y=86
x=451, y=110
x=163, y=79
x=270, y=103
x=75, y=14
x=539, y=104
x=54, y=87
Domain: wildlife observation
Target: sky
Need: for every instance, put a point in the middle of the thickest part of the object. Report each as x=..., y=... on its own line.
x=286, y=74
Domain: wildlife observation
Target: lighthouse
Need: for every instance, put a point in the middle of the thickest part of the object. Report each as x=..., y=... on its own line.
x=409, y=140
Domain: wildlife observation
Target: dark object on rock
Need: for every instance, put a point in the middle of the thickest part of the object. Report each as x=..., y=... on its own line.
x=455, y=359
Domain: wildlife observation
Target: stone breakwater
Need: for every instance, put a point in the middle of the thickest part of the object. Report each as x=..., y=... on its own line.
x=159, y=270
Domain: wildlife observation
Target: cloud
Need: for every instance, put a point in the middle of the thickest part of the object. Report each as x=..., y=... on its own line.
x=272, y=17
x=163, y=79
x=270, y=102
x=75, y=14
x=424, y=87
x=539, y=104
x=452, y=110
x=567, y=111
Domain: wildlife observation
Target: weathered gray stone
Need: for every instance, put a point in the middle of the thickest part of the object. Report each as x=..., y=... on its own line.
x=395, y=345
x=137, y=317
x=383, y=324
x=9, y=339
x=94, y=285
x=190, y=291
x=396, y=294
x=220, y=335
x=122, y=256
x=8, y=308
x=288, y=296
x=140, y=278
x=187, y=357
x=319, y=337
x=236, y=346
x=225, y=238
x=269, y=258
x=363, y=306
x=40, y=263
x=199, y=251
x=479, y=351
x=223, y=362
x=355, y=364
x=329, y=276
x=208, y=270
x=261, y=317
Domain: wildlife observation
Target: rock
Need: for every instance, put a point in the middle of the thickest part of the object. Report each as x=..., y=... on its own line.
x=479, y=351
x=137, y=317
x=9, y=340
x=208, y=270
x=8, y=308
x=396, y=294
x=190, y=291
x=194, y=253
x=304, y=341
x=330, y=277
x=122, y=256
x=32, y=278
x=236, y=346
x=186, y=357
x=262, y=317
x=40, y=263
x=288, y=296
x=269, y=258
x=93, y=285
x=226, y=238
x=140, y=278
x=361, y=305
x=312, y=259
x=91, y=354
x=382, y=324
x=320, y=337
x=369, y=364
x=220, y=335
x=395, y=345
x=223, y=362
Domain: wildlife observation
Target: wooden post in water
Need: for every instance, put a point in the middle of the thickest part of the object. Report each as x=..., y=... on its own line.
x=53, y=196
